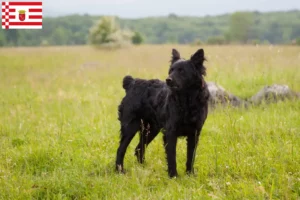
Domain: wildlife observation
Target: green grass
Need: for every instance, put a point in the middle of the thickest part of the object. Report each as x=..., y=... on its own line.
x=59, y=130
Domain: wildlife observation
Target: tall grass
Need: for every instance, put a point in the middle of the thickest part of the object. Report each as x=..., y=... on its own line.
x=59, y=130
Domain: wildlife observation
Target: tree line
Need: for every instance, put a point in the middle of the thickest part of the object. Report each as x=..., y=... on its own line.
x=239, y=27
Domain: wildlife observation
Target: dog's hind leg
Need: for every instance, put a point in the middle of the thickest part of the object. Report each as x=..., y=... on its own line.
x=147, y=134
x=127, y=133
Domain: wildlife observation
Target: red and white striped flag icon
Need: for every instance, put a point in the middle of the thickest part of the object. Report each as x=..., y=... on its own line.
x=22, y=15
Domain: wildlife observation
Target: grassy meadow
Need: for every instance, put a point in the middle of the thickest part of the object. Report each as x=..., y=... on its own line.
x=59, y=131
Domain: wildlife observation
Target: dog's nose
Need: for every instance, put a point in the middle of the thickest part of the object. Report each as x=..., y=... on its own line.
x=169, y=80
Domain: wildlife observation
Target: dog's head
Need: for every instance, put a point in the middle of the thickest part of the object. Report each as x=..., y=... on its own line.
x=186, y=73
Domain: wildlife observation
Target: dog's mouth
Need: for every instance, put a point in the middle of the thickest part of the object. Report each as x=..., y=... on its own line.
x=170, y=84
x=173, y=86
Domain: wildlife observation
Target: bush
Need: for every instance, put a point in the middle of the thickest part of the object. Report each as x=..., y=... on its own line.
x=219, y=40
x=266, y=42
x=298, y=41
x=255, y=42
x=44, y=43
x=197, y=42
x=137, y=38
x=106, y=33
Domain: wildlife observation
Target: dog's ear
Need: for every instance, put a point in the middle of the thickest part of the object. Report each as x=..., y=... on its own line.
x=198, y=57
x=175, y=56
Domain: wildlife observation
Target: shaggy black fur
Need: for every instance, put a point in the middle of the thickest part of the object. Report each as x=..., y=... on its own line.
x=178, y=107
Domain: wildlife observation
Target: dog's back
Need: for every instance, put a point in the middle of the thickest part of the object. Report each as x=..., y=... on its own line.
x=140, y=99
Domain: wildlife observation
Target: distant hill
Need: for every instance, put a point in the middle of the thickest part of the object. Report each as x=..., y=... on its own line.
x=274, y=27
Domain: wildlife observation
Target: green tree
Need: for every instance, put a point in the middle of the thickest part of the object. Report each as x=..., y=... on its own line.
x=298, y=41
x=103, y=29
x=217, y=40
x=274, y=35
x=106, y=32
x=137, y=38
x=275, y=27
x=12, y=37
x=240, y=26
x=2, y=39
x=59, y=36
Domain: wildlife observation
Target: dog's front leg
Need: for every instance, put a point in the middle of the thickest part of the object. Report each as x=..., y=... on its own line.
x=170, y=141
x=192, y=142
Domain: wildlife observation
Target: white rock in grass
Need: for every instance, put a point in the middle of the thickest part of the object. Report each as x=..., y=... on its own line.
x=274, y=93
x=218, y=95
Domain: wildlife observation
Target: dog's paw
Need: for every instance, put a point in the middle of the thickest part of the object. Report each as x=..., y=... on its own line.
x=190, y=173
x=120, y=169
x=173, y=175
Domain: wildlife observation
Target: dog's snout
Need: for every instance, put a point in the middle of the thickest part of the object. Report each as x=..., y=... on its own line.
x=169, y=80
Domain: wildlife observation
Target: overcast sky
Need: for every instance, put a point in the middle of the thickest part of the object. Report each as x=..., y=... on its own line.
x=145, y=8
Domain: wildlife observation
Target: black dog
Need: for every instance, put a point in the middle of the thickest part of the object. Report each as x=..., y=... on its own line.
x=178, y=106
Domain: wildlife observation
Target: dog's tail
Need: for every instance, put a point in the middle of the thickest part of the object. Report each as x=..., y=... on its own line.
x=127, y=82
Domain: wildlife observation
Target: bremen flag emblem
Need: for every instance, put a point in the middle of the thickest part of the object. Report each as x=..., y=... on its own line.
x=22, y=15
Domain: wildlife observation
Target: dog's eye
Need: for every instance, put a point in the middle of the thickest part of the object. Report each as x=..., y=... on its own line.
x=180, y=70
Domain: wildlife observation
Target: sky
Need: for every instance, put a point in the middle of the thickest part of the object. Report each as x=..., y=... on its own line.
x=147, y=8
